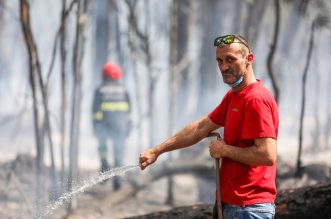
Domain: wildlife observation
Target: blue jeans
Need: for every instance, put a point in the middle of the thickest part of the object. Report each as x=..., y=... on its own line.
x=255, y=211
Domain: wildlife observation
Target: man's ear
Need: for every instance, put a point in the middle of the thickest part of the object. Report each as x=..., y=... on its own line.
x=250, y=57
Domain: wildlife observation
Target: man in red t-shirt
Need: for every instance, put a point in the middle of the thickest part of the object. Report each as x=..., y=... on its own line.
x=249, y=115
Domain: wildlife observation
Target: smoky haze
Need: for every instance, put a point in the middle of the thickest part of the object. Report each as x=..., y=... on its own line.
x=200, y=87
x=113, y=33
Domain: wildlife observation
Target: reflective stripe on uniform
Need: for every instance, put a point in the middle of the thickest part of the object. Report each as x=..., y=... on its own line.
x=115, y=106
x=98, y=115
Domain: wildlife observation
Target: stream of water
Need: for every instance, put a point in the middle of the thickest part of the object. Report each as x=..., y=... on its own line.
x=92, y=181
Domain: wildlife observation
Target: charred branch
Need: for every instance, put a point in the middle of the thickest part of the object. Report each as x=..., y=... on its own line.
x=304, y=203
x=166, y=169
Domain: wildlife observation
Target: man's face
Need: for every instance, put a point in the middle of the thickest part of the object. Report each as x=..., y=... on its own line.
x=231, y=62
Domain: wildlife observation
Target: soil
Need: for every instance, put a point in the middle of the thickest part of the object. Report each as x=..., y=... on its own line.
x=18, y=191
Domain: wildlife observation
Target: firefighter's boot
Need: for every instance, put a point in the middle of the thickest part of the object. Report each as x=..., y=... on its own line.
x=116, y=183
x=104, y=165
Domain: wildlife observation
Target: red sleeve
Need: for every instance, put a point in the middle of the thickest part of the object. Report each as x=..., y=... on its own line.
x=219, y=113
x=259, y=121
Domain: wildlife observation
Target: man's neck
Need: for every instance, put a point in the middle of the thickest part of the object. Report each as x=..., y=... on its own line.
x=249, y=78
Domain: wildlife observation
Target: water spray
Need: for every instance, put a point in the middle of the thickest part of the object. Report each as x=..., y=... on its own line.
x=92, y=181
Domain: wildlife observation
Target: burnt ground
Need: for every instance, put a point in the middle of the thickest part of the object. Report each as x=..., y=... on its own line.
x=18, y=194
x=18, y=189
x=194, y=212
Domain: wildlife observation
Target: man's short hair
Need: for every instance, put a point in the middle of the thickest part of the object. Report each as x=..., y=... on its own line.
x=245, y=46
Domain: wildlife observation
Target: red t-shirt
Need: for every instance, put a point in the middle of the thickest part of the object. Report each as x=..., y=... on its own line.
x=246, y=115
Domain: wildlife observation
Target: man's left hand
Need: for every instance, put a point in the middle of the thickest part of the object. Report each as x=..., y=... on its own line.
x=217, y=148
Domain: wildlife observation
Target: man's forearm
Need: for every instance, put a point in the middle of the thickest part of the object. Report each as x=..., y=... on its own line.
x=262, y=153
x=184, y=138
x=190, y=135
x=251, y=155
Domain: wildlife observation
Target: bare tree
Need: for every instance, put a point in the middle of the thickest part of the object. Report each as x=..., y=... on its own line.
x=139, y=41
x=39, y=90
x=210, y=26
x=63, y=55
x=303, y=97
x=173, y=81
x=316, y=132
x=60, y=41
x=34, y=67
x=273, y=50
x=256, y=10
x=187, y=11
x=182, y=13
x=36, y=74
x=318, y=22
x=103, y=14
x=77, y=94
x=116, y=23
x=328, y=128
x=237, y=20
x=132, y=41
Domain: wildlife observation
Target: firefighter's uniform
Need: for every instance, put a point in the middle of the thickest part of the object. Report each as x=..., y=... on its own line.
x=111, y=120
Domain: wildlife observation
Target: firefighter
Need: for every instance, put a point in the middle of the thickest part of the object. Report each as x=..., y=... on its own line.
x=111, y=117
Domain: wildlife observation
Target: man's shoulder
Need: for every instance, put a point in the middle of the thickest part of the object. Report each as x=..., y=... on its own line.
x=258, y=90
x=260, y=94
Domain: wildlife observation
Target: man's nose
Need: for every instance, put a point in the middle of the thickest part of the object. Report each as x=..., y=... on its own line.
x=223, y=67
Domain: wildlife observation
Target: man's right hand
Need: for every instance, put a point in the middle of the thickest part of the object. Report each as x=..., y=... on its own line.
x=147, y=158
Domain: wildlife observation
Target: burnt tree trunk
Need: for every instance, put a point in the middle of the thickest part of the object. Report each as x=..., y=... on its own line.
x=173, y=83
x=63, y=84
x=303, y=203
x=77, y=95
x=34, y=67
x=255, y=10
x=132, y=38
x=303, y=98
x=102, y=37
x=273, y=51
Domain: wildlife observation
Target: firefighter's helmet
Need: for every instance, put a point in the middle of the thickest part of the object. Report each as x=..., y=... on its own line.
x=112, y=71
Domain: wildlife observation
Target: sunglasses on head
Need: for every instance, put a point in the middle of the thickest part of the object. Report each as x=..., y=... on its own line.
x=228, y=39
